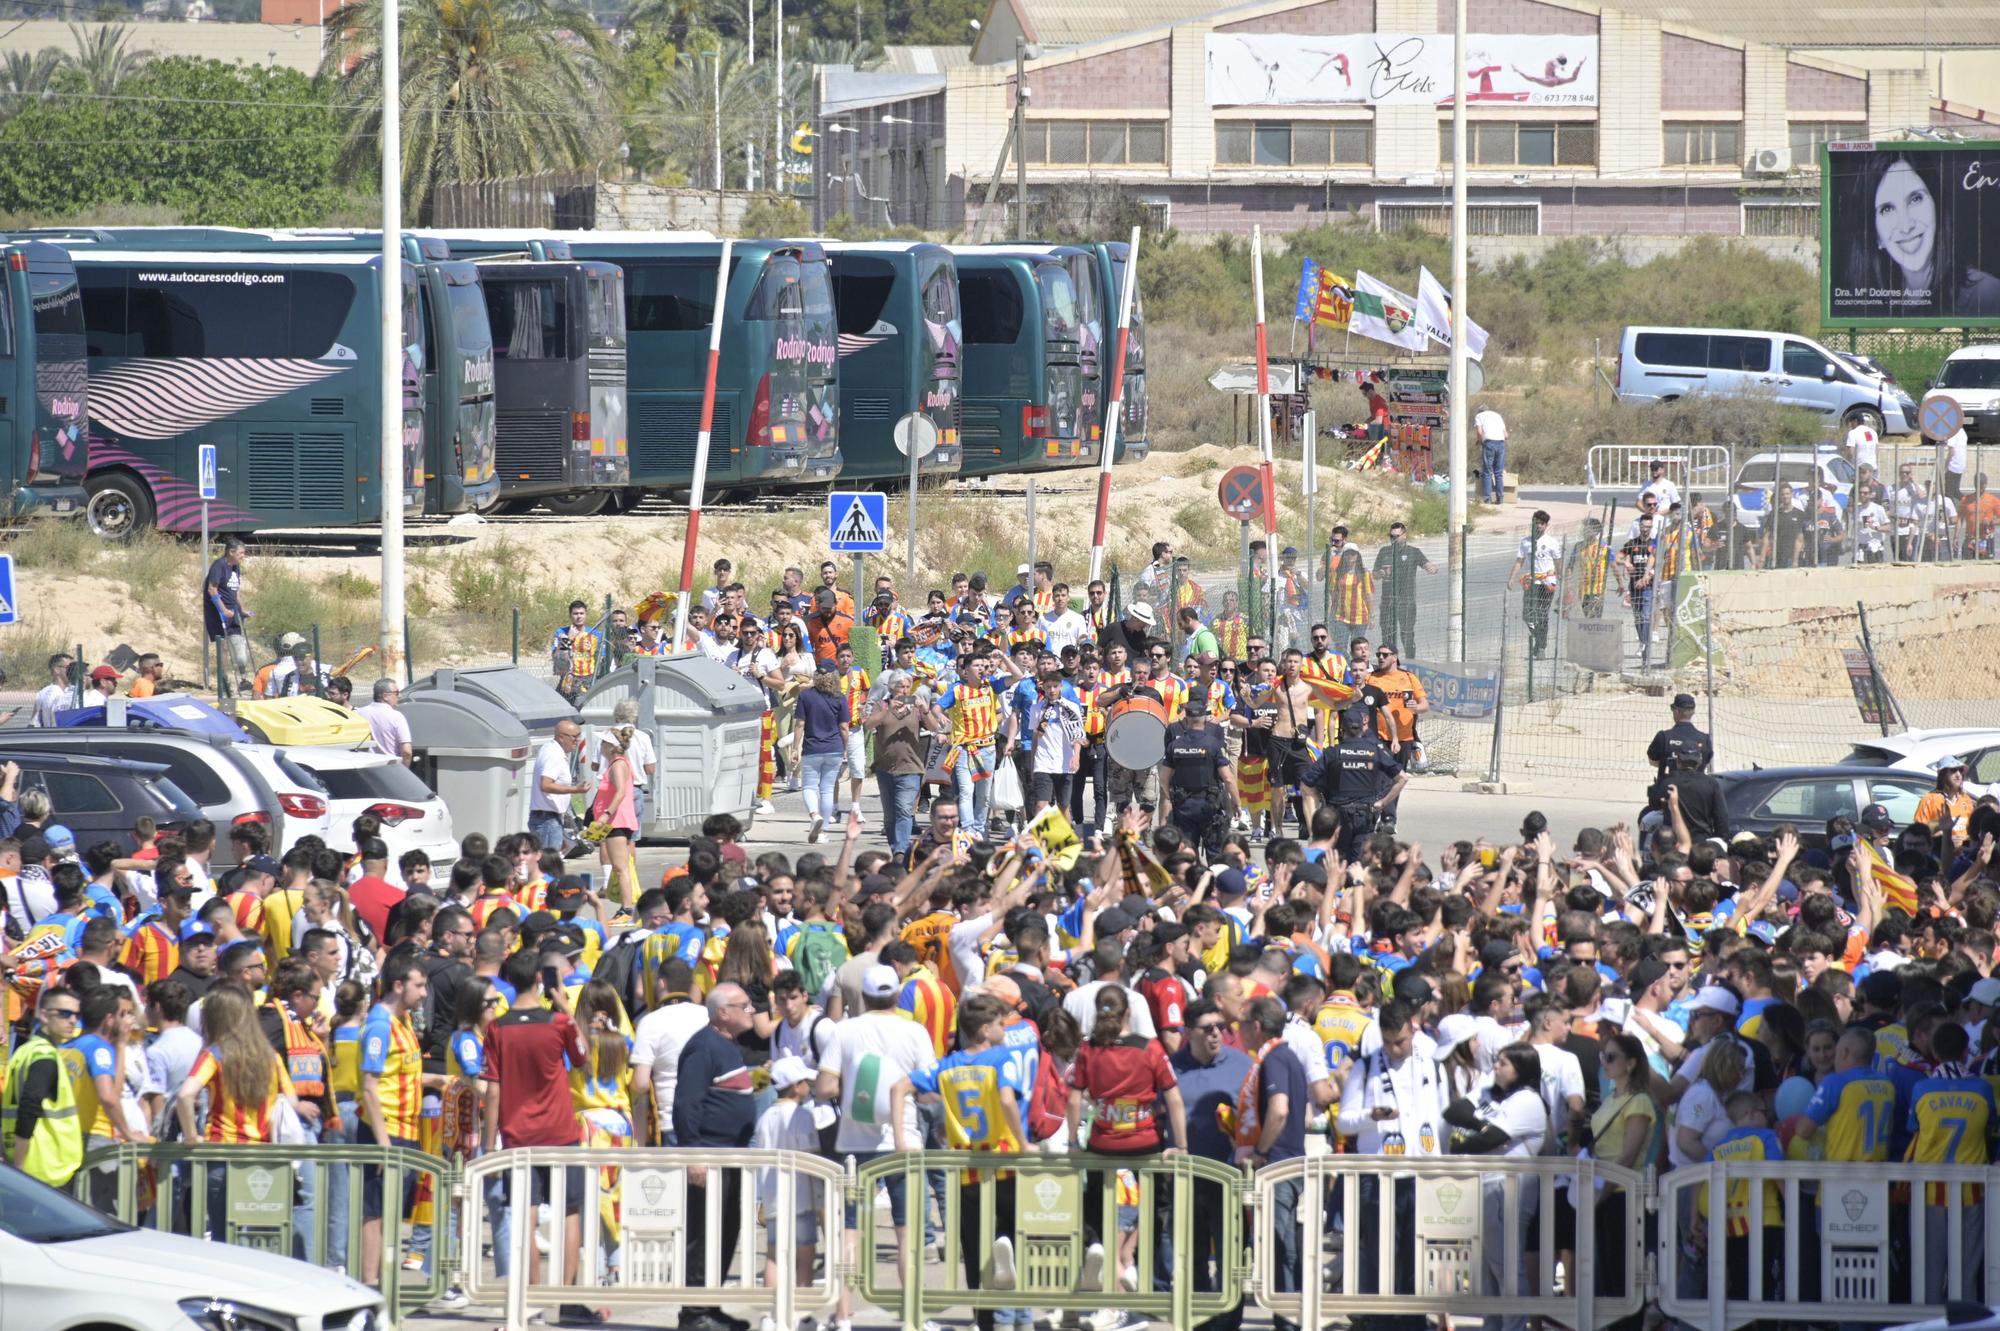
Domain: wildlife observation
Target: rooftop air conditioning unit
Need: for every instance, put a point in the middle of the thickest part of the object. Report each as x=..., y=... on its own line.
x=1771, y=161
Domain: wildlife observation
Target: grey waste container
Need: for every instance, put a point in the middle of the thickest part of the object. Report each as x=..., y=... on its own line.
x=475, y=755
x=706, y=722
x=528, y=700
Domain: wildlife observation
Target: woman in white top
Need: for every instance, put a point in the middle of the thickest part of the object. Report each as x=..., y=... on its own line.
x=1510, y=1119
x=1699, y=1119
x=795, y=662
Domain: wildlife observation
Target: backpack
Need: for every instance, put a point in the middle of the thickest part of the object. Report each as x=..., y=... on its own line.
x=1048, y=1107
x=818, y=951
x=618, y=967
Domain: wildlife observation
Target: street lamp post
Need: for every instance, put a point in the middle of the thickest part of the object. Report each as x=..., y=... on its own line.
x=1460, y=408
x=389, y=463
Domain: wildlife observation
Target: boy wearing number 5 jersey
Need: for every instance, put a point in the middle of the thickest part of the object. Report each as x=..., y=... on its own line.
x=983, y=1089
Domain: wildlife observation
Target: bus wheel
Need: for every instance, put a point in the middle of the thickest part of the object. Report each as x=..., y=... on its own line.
x=626, y=500
x=506, y=508
x=119, y=507
x=581, y=504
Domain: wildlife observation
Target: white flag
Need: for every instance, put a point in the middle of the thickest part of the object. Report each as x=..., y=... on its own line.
x=1385, y=314
x=1434, y=316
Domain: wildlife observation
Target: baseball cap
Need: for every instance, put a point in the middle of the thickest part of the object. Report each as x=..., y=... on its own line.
x=1003, y=989
x=880, y=982
x=789, y=1071
x=1169, y=930
x=287, y=641
x=60, y=838
x=1025, y=568
x=1497, y=953
x=1413, y=989
x=567, y=894
x=874, y=884
x=1195, y=703
x=103, y=672
x=34, y=848
x=1114, y=921
x=1684, y=702
x=537, y=922
x=195, y=929
x=1714, y=998
x=1987, y=992
x=1288, y=551
x=1876, y=815
x=262, y=864
x=1230, y=883
x=1646, y=974
x=1312, y=873
x=1454, y=1031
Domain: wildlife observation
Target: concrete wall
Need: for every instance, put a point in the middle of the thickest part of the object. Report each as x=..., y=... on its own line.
x=291, y=45
x=625, y=206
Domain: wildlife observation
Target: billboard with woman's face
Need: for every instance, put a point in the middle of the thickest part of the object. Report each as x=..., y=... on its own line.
x=1910, y=234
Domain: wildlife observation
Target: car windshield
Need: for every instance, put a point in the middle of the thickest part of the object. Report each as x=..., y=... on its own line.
x=36, y=1213
x=1970, y=372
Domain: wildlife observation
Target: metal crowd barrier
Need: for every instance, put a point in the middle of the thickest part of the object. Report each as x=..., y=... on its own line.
x=281, y=1199
x=1047, y=1225
x=1446, y=1236
x=1848, y=1244
x=666, y=1200
x=1701, y=467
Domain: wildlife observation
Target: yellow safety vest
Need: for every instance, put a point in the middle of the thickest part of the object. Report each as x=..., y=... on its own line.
x=56, y=1151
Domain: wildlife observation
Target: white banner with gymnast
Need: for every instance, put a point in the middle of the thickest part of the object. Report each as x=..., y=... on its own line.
x=1398, y=69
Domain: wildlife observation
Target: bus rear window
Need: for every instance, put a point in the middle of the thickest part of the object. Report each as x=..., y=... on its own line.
x=213, y=313
x=861, y=288
x=1059, y=303
x=473, y=329
x=780, y=292
x=991, y=300
x=670, y=295
x=528, y=319
x=607, y=309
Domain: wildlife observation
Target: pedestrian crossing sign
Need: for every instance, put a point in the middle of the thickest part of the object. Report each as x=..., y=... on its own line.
x=10, y=609
x=856, y=521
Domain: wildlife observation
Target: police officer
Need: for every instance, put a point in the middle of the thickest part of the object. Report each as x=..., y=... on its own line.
x=1357, y=778
x=1202, y=784
x=1682, y=737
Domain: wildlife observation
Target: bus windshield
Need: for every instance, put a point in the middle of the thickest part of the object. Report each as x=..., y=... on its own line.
x=62, y=367
x=1135, y=341
x=529, y=319
x=780, y=300
x=944, y=333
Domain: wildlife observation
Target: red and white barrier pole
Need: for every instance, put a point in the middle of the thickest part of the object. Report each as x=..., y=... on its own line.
x=701, y=451
x=1116, y=410
x=1264, y=426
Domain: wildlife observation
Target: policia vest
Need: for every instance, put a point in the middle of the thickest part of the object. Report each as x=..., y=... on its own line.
x=55, y=1152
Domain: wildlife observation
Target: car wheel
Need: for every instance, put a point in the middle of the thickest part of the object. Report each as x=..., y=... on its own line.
x=120, y=507
x=1867, y=416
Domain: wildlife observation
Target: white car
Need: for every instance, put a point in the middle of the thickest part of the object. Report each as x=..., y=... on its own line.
x=413, y=816
x=1922, y=750
x=301, y=798
x=1972, y=375
x=63, y=1265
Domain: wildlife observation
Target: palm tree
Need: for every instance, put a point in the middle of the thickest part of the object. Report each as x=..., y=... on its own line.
x=26, y=75
x=682, y=121
x=680, y=18
x=491, y=89
x=103, y=56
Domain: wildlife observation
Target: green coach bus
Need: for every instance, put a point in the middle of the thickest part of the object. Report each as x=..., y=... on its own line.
x=274, y=359
x=457, y=370
x=44, y=402
x=901, y=349
x=1023, y=375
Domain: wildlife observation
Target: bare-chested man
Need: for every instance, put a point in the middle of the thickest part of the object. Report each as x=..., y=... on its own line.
x=1292, y=727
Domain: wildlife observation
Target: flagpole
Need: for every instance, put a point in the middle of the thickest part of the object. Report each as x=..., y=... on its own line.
x=1117, y=407
x=701, y=450
x=1455, y=538
x=1264, y=426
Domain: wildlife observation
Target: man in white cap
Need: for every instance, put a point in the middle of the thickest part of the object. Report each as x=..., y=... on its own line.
x=870, y=1053
x=1711, y=1015
x=1979, y=1005
x=1131, y=632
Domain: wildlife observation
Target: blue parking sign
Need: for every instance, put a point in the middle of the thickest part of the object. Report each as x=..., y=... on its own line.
x=10, y=609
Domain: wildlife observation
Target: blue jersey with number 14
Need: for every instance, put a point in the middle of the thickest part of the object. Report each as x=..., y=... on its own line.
x=970, y=1086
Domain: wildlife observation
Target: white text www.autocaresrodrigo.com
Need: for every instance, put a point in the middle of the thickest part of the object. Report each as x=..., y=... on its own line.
x=227, y=279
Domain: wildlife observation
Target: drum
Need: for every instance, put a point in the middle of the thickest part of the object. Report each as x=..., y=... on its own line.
x=1136, y=736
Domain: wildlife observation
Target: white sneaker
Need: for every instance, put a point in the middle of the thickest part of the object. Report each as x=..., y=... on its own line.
x=841, y=1324
x=1093, y=1267
x=766, y=808
x=813, y=828
x=1003, y=1262
x=1128, y=1277
x=767, y=1323
x=453, y=1299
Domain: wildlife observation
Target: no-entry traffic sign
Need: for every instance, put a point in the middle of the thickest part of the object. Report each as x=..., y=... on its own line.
x=1242, y=493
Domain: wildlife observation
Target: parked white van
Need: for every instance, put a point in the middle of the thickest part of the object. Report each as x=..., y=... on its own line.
x=1972, y=375
x=1662, y=364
